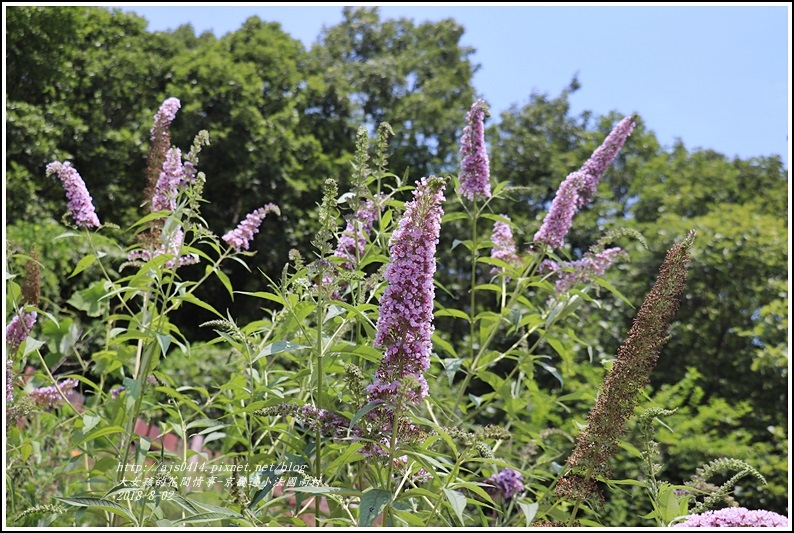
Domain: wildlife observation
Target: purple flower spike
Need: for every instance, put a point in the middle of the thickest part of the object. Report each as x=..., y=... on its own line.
x=735, y=517
x=580, y=186
x=474, y=171
x=173, y=247
x=595, y=167
x=49, y=396
x=80, y=203
x=19, y=329
x=165, y=116
x=172, y=176
x=506, y=483
x=504, y=247
x=589, y=267
x=560, y=217
x=405, y=323
x=354, y=239
x=9, y=381
x=241, y=237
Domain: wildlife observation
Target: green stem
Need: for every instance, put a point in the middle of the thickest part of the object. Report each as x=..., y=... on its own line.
x=528, y=272
x=319, y=397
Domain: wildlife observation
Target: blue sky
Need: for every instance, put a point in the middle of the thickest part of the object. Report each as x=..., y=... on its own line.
x=717, y=77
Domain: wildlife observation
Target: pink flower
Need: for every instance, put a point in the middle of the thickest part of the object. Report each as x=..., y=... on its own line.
x=49, y=396
x=19, y=328
x=560, y=217
x=173, y=247
x=9, y=381
x=354, y=238
x=80, y=203
x=474, y=170
x=590, y=266
x=578, y=188
x=173, y=176
x=164, y=116
x=504, y=247
x=506, y=483
x=595, y=167
x=240, y=237
x=735, y=517
x=405, y=325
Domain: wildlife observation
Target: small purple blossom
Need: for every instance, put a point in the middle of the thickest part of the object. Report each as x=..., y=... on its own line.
x=474, y=170
x=354, y=238
x=579, y=187
x=19, y=328
x=173, y=247
x=506, y=483
x=49, y=396
x=405, y=324
x=591, y=266
x=241, y=237
x=173, y=176
x=735, y=517
x=9, y=381
x=164, y=116
x=115, y=392
x=504, y=246
x=560, y=217
x=80, y=203
x=595, y=167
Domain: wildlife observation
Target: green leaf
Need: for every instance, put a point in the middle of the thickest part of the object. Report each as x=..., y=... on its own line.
x=203, y=517
x=530, y=510
x=449, y=217
x=89, y=422
x=99, y=503
x=277, y=347
x=190, y=298
x=223, y=277
x=91, y=300
x=457, y=501
x=346, y=458
x=364, y=410
x=553, y=371
x=164, y=341
x=110, y=430
x=133, y=389
x=457, y=313
x=84, y=263
x=31, y=345
x=372, y=504
x=604, y=283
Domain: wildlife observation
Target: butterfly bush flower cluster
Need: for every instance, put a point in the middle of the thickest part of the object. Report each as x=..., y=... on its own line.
x=578, y=188
x=80, y=203
x=241, y=237
x=504, y=246
x=19, y=328
x=173, y=247
x=631, y=371
x=569, y=273
x=735, y=517
x=505, y=484
x=49, y=396
x=9, y=381
x=405, y=326
x=474, y=170
x=174, y=175
x=595, y=167
x=352, y=243
x=160, y=144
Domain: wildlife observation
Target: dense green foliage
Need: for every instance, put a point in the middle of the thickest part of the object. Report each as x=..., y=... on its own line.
x=83, y=84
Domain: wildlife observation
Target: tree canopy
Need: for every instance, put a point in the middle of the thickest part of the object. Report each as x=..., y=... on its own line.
x=83, y=84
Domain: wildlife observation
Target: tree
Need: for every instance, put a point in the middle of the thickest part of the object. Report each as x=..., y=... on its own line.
x=415, y=77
